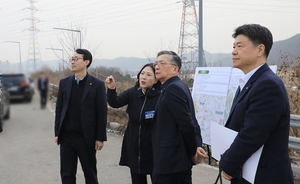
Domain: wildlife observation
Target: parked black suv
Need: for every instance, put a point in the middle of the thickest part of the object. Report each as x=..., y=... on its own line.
x=4, y=103
x=18, y=86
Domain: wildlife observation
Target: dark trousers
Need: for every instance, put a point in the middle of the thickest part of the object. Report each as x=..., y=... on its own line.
x=184, y=177
x=43, y=94
x=71, y=148
x=138, y=178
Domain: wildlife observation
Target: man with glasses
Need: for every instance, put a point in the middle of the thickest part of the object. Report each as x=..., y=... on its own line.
x=80, y=120
x=176, y=137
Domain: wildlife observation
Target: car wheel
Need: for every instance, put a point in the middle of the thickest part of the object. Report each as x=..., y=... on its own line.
x=28, y=99
x=7, y=114
x=1, y=124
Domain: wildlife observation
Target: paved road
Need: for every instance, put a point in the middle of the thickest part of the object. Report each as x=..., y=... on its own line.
x=29, y=156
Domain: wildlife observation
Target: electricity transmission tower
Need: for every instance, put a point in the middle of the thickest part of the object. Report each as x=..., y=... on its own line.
x=33, y=49
x=188, y=40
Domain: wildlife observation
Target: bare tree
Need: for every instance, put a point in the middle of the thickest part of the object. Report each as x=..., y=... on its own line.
x=71, y=40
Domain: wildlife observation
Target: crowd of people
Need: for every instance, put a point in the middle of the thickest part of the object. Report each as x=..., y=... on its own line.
x=163, y=138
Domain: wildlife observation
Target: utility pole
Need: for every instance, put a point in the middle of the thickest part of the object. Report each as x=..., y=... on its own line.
x=33, y=49
x=73, y=30
x=202, y=61
x=63, y=60
x=19, y=53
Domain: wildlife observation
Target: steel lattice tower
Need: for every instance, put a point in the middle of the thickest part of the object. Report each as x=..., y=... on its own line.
x=188, y=41
x=33, y=49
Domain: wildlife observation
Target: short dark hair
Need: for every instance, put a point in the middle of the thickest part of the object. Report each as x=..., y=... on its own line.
x=86, y=55
x=257, y=34
x=151, y=65
x=174, y=58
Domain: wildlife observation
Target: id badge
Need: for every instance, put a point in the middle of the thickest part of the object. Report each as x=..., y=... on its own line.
x=149, y=114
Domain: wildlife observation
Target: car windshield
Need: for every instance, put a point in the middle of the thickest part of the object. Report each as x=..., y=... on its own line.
x=9, y=80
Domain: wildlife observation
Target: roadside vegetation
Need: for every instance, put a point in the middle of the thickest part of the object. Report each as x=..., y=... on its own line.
x=289, y=72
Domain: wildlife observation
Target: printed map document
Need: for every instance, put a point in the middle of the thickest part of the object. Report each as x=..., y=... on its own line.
x=213, y=92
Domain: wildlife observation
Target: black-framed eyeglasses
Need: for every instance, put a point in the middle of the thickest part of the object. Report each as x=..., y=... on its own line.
x=162, y=63
x=75, y=59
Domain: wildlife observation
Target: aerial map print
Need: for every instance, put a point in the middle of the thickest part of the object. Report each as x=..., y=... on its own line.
x=213, y=92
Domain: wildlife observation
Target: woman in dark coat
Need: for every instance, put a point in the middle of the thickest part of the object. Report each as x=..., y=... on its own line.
x=141, y=100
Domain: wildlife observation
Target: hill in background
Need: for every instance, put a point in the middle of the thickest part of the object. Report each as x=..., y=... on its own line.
x=280, y=49
x=131, y=65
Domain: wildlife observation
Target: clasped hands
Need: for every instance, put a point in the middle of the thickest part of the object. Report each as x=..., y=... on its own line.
x=200, y=154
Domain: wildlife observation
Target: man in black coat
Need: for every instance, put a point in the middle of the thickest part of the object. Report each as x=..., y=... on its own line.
x=43, y=89
x=260, y=113
x=176, y=134
x=80, y=120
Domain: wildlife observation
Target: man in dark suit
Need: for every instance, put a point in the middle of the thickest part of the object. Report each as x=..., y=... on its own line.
x=260, y=113
x=176, y=134
x=80, y=120
x=43, y=89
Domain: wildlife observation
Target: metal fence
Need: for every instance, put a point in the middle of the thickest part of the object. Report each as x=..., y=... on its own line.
x=53, y=91
x=294, y=142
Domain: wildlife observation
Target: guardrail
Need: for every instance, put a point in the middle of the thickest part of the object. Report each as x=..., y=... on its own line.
x=53, y=91
x=294, y=142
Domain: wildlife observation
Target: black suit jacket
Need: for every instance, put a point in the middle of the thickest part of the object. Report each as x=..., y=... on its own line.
x=175, y=132
x=261, y=115
x=40, y=81
x=93, y=108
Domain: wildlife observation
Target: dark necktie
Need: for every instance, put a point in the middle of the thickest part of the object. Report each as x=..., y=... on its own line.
x=77, y=81
x=238, y=91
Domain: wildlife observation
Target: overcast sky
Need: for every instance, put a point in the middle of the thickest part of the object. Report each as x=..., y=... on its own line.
x=137, y=28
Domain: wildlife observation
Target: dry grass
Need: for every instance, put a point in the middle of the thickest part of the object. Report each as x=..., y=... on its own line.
x=117, y=115
x=289, y=72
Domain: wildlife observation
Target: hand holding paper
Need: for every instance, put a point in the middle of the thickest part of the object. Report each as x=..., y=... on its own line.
x=221, y=139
